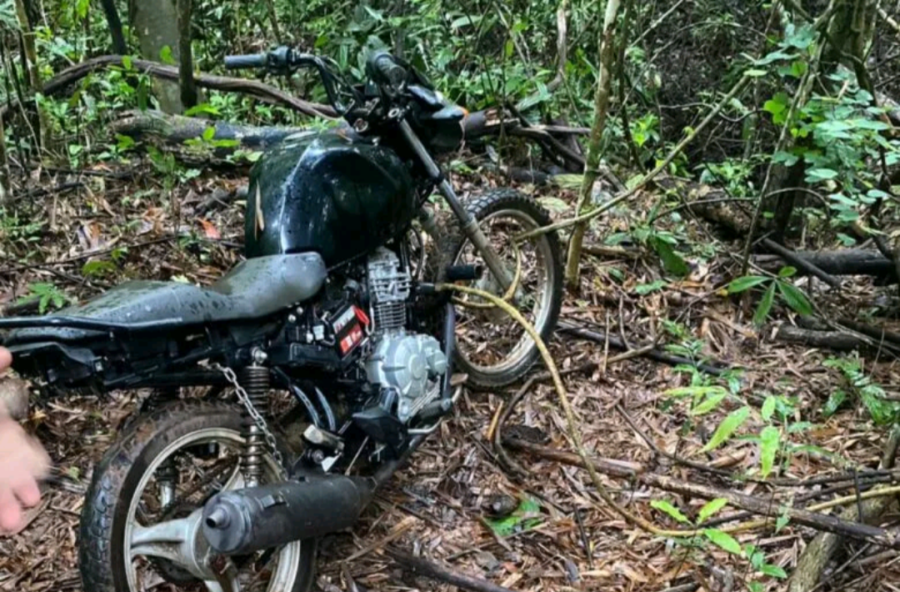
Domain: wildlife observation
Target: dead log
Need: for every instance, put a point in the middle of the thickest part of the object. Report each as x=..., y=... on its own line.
x=801, y=263
x=842, y=262
x=835, y=340
x=176, y=133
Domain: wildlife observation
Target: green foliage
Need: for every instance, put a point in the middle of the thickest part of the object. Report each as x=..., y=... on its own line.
x=727, y=428
x=673, y=512
x=525, y=517
x=870, y=393
x=792, y=296
x=47, y=294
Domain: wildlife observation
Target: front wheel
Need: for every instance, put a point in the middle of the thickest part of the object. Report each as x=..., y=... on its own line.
x=140, y=526
x=492, y=349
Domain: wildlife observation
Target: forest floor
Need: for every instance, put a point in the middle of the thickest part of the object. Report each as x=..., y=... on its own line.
x=437, y=506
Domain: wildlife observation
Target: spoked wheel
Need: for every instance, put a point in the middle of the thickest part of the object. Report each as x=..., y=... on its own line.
x=141, y=524
x=492, y=348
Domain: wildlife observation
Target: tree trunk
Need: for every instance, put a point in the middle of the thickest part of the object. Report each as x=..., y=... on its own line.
x=592, y=162
x=186, y=67
x=115, y=26
x=156, y=25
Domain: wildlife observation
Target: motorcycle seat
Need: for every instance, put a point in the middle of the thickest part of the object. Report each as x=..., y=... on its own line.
x=255, y=288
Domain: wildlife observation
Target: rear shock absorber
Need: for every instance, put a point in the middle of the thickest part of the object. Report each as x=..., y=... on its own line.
x=255, y=380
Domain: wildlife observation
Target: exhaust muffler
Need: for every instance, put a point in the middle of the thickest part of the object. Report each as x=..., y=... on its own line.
x=244, y=521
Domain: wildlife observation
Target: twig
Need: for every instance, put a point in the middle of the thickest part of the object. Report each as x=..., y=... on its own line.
x=656, y=355
x=435, y=571
x=509, y=465
x=662, y=166
x=792, y=257
x=656, y=449
x=806, y=517
x=77, y=258
x=887, y=19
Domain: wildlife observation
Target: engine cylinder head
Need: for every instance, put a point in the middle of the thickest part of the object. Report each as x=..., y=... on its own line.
x=389, y=290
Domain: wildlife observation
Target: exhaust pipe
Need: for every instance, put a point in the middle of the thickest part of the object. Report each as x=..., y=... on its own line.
x=244, y=521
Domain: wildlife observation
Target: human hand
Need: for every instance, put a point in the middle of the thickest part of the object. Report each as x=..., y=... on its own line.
x=22, y=463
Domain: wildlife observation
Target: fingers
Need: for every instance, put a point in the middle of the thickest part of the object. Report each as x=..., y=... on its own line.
x=5, y=359
x=28, y=492
x=10, y=511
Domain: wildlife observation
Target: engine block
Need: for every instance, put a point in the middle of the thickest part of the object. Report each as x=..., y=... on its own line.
x=409, y=366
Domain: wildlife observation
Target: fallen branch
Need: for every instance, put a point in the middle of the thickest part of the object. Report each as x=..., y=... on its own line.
x=435, y=571
x=65, y=79
x=815, y=557
x=836, y=340
x=838, y=263
x=714, y=368
x=801, y=263
x=762, y=507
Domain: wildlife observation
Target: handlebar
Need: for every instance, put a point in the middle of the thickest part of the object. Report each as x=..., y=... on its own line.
x=238, y=62
x=382, y=68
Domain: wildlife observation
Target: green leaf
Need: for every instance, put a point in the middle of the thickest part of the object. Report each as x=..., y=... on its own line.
x=834, y=402
x=672, y=511
x=711, y=508
x=795, y=298
x=554, y=204
x=773, y=570
x=127, y=63
x=694, y=391
x=165, y=55
x=756, y=587
x=97, y=268
x=728, y=426
x=202, y=109
x=769, y=440
x=644, y=289
x=709, y=403
x=723, y=540
x=782, y=521
x=817, y=175
x=765, y=306
x=525, y=517
x=209, y=133
x=768, y=407
x=787, y=272
x=742, y=284
x=755, y=73
x=672, y=261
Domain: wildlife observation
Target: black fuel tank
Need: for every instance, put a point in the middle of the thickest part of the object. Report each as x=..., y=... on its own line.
x=332, y=192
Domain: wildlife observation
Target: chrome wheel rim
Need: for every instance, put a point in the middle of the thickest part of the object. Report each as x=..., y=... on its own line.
x=288, y=557
x=538, y=286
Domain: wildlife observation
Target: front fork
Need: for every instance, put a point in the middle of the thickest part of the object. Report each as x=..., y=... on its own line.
x=469, y=225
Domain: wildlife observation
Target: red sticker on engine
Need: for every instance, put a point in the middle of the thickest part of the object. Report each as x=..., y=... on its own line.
x=351, y=340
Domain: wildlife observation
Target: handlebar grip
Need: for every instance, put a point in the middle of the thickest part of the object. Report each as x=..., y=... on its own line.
x=385, y=66
x=237, y=62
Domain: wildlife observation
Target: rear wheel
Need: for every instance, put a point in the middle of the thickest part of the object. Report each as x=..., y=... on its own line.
x=140, y=524
x=492, y=349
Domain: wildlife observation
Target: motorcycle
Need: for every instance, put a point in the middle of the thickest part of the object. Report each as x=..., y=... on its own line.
x=322, y=361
